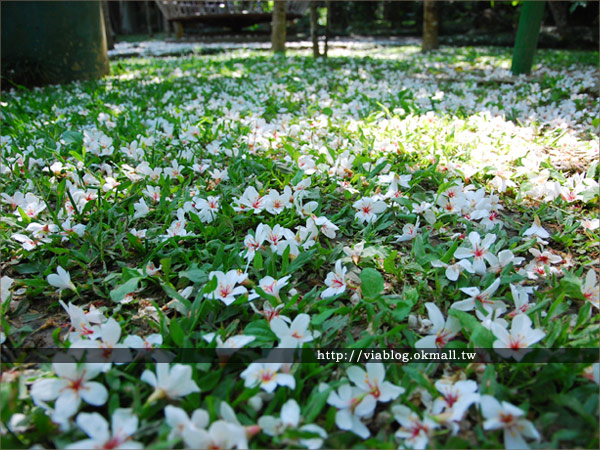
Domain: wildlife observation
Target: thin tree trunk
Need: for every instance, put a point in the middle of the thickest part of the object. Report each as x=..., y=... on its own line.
x=126, y=25
x=166, y=26
x=327, y=28
x=278, y=27
x=314, y=29
x=108, y=31
x=430, y=26
x=148, y=20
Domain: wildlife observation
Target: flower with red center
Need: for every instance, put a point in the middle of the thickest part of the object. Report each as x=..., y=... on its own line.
x=368, y=208
x=591, y=289
x=521, y=336
x=441, y=330
x=510, y=419
x=293, y=335
x=478, y=297
x=352, y=404
x=414, y=430
x=456, y=398
x=70, y=388
x=335, y=281
x=123, y=425
x=479, y=251
x=226, y=290
x=267, y=376
x=372, y=382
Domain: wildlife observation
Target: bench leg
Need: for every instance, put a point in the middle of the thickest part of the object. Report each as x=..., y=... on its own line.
x=178, y=29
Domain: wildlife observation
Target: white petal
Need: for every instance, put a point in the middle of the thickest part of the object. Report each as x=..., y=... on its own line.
x=490, y=407
x=94, y=393
x=343, y=419
x=124, y=422
x=513, y=440
x=290, y=413
x=94, y=425
x=436, y=317
x=357, y=376
x=149, y=378
x=67, y=403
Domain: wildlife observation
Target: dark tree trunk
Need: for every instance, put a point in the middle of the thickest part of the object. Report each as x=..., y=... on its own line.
x=560, y=15
x=148, y=20
x=430, y=26
x=126, y=17
x=314, y=29
x=278, y=27
x=327, y=28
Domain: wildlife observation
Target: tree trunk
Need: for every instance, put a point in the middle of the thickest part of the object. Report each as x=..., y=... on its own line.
x=278, y=27
x=166, y=26
x=314, y=29
x=126, y=20
x=108, y=31
x=430, y=26
x=148, y=20
x=530, y=22
x=178, y=26
x=560, y=16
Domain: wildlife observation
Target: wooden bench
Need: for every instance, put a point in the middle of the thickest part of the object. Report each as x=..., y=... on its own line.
x=236, y=14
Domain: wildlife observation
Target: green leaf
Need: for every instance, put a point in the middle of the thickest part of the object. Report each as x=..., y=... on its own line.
x=574, y=405
x=176, y=332
x=72, y=137
x=128, y=287
x=297, y=177
x=480, y=336
x=260, y=329
x=415, y=373
x=321, y=317
x=419, y=249
x=258, y=261
x=389, y=263
x=194, y=274
x=316, y=402
x=210, y=380
x=300, y=260
x=371, y=283
x=172, y=292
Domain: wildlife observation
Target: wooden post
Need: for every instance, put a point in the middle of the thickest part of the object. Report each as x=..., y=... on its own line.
x=528, y=33
x=278, y=27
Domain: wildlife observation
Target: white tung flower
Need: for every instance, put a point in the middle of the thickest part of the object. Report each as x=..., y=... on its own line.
x=267, y=376
x=61, y=280
x=510, y=419
x=293, y=335
x=368, y=208
x=521, y=336
x=73, y=385
x=171, y=382
x=123, y=425
x=335, y=281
